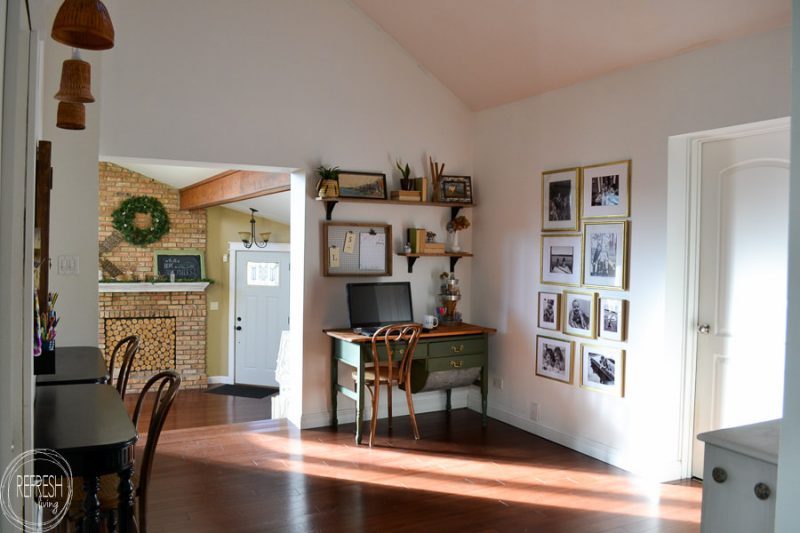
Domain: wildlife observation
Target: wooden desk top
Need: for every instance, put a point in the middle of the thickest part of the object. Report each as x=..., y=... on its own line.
x=441, y=331
x=76, y=364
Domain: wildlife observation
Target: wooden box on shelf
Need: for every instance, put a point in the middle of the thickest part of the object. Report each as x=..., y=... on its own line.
x=407, y=196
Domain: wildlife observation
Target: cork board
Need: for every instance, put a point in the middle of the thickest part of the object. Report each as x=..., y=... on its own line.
x=356, y=249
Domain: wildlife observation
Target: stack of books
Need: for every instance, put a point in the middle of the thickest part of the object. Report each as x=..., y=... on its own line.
x=407, y=196
x=416, y=238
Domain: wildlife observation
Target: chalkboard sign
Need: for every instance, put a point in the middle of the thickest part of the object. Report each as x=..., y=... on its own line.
x=186, y=264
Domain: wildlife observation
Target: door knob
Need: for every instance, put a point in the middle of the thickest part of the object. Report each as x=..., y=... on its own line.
x=238, y=328
x=705, y=329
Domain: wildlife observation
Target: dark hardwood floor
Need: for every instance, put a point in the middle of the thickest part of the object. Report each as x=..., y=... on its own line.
x=263, y=476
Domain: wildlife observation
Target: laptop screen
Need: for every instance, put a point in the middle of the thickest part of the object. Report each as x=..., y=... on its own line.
x=378, y=304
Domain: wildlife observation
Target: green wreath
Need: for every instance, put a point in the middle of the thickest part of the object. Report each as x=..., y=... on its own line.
x=125, y=214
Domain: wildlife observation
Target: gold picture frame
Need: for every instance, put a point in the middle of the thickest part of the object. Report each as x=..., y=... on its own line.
x=561, y=260
x=605, y=255
x=606, y=190
x=603, y=369
x=561, y=199
x=579, y=320
x=555, y=358
x=549, y=311
x=612, y=321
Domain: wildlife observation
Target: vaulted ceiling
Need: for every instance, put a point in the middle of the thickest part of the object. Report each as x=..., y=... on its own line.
x=491, y=52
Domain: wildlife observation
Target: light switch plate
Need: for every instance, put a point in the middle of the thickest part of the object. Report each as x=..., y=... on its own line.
x=68, y=265
x=213, y=306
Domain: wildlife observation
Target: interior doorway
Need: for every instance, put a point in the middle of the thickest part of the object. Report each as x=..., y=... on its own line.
x=733, y=309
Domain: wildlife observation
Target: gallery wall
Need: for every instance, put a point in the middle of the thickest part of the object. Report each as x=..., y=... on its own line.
x=627, y=115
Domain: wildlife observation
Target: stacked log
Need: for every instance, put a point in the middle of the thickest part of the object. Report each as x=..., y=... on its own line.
x=156, y=341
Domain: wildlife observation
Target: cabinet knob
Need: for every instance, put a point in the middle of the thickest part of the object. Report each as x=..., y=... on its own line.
x=457, y=349
x=762, y=490
x=719, y=474
x=456, y=364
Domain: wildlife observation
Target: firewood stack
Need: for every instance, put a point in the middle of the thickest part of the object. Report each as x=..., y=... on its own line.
x=156, y=342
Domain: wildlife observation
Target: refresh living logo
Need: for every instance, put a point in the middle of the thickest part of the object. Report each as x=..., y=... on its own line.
x=51, y=491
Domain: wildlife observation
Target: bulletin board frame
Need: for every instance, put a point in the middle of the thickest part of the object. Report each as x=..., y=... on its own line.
x=333, y=235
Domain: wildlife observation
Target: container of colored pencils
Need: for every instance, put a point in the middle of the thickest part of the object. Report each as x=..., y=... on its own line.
x=47, y=321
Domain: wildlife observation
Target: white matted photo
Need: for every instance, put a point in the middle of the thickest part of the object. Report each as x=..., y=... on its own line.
x=613, y=319
x=603, y=369
x=549, y=310
x=554, y=358
x=606, y=190
x=580, y=314
x=560, y=199
x=604, y=258
x=561, y=260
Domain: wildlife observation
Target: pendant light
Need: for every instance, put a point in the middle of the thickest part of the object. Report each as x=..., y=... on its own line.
x=84, y=24
x=249, y=238
x=71, y=116
x=76, y=81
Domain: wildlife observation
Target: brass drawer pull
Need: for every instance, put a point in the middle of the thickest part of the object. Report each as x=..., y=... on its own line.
x=457, y=349
x=762, y=491
x=719, y=474
x=456, y=364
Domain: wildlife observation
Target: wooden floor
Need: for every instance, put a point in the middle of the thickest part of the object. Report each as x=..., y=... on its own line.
x=263, y=476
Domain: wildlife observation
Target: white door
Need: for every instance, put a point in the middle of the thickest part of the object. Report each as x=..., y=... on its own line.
x=262, y=313
x=741, y=335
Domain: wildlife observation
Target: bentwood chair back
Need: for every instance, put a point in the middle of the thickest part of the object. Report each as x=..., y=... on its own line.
x=129, y=346
x=397, y=341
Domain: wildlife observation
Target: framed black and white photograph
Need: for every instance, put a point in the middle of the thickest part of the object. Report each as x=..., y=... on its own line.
x=613, y=319
x=455, y=189
x=580, y=314
x=554, y=358
x=561, y=260
x=604, y=255
x=362, y=185
x=549, y=310
x=603, y=369
x=560, y=199
x=606, y=190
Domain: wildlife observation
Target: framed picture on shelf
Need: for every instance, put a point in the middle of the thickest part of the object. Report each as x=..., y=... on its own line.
x=606, y=190
x=362, y=185
x=549, y=310
x=603, y=369
x=613, y=319
x=604, y=255
x=580, y=314
x=561, y=260
x=554, y=358
x=560, y=199
x=455, y=189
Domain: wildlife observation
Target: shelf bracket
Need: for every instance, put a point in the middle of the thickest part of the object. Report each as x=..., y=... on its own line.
x=454, y=211
x=453, y=261
x=411, y=261
x=329, y=205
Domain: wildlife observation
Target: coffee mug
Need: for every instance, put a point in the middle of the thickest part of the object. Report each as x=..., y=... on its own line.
x=429, y=322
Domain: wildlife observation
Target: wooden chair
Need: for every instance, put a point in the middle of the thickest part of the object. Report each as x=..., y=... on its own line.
x=166, y=384
x=130, y=345
x=393, y=338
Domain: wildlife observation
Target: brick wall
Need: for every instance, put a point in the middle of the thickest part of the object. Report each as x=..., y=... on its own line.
x=187, y=230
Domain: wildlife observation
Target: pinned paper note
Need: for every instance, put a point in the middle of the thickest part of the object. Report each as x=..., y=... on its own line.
x=333, y=258
x=349, y=242
x=373, y=252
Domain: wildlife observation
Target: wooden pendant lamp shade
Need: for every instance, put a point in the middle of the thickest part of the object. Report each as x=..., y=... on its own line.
x=71, y=116
x=84, y=24
x=76, y=82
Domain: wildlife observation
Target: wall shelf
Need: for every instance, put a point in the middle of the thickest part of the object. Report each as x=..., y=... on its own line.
x=455, y=207
x=454, y=257
x=144, y=286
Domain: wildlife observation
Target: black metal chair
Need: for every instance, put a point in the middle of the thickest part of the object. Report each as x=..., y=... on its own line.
x=130, y=347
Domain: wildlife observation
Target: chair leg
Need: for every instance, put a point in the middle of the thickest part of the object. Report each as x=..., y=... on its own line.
x=389, y=399
x=411, y=410
x=373, y=421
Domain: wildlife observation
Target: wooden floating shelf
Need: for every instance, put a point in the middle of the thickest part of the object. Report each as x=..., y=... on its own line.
x=455, y=207
x=454, y=257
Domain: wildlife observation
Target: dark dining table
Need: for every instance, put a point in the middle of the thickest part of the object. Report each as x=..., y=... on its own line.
x=75, y=365
x=90, y=427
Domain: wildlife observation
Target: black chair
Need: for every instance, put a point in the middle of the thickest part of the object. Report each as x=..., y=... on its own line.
x=130, y=347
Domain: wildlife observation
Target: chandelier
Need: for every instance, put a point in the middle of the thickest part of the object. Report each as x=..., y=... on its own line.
x=249, y=238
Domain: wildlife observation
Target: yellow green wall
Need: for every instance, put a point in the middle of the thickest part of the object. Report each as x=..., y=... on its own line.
x=224, y=226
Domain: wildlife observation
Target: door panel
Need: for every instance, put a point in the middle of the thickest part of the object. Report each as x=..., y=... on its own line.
x=742, y=293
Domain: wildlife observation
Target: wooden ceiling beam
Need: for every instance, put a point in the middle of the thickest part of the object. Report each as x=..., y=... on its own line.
x=232, y=186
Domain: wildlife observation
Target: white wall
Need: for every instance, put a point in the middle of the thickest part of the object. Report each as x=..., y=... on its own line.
x=74, y=200
x=629, y=114
x=290, y=83
x=788, y=494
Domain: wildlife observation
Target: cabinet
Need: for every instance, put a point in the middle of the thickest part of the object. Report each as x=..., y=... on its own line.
x=739, y=478
x=411, y=258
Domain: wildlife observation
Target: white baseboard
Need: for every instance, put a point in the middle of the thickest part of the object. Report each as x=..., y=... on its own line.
x=423, y=403
x=220, y=380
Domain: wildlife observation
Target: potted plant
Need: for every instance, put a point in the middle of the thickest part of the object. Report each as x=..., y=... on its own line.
x=328, y=183
x=453, y=227
x=406, y=183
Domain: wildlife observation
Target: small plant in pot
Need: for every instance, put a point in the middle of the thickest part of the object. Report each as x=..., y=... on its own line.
x=328, y=184
x=406, y=183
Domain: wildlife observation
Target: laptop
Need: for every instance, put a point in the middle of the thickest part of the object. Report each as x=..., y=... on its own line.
x=374, y=305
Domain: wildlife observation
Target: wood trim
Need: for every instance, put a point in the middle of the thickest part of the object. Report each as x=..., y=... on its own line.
x=347, y=335
x=44, y=184
x=232, y=186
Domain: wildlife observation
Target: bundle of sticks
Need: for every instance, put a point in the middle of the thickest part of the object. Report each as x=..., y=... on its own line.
x=436, y=175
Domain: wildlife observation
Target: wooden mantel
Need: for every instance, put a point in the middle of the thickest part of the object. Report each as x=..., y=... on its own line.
x=143, y=286
x=232, y=186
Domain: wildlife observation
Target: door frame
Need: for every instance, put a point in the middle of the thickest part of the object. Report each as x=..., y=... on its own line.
x=234, y=247
x=683, y=261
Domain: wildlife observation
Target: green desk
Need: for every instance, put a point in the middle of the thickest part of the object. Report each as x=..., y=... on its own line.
x=447, y=348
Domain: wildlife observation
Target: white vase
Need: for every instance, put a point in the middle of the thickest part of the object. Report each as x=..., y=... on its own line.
x=454, y=246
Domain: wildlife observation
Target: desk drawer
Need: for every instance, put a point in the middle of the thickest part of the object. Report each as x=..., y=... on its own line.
x=420, y=353
x=457, y=347
x=454, y=362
